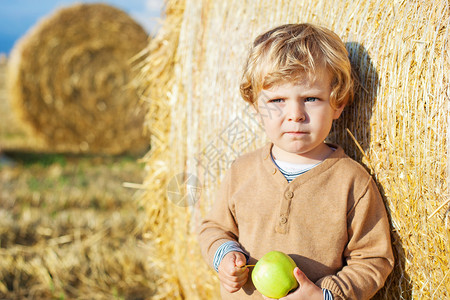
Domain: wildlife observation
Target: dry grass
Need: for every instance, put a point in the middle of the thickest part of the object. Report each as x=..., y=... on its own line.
x=69, y=230
x=400, y=121
x=70, y=80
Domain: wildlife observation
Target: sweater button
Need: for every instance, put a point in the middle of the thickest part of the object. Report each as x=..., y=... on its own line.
x=283, y=220
x=289, y=194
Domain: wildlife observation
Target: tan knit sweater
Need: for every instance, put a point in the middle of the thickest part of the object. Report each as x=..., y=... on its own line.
x=331, y=220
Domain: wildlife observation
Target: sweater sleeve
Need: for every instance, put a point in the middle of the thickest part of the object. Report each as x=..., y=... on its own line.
x=368, y=257
x=219, y=225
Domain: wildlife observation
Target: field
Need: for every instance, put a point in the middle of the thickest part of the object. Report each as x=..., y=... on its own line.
x=69, y=229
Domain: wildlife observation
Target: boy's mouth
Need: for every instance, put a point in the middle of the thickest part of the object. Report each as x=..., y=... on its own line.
x=296, y=133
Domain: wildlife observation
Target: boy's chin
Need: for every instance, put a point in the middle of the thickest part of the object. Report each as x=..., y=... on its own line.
x=300, y=154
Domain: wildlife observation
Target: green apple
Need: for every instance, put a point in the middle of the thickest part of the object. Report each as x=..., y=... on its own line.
x=273, y=275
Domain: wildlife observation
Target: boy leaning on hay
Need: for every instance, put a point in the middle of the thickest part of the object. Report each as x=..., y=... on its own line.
x=298, y=194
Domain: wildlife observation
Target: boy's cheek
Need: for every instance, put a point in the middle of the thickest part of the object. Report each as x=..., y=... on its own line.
x=270, y=110
x=262, y=117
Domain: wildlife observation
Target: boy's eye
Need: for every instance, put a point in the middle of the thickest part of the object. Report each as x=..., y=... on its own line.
x=278, y=100
x=311, y=99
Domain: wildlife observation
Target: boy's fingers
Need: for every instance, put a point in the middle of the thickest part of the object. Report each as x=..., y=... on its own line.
x=240, y=260
x=300, y=276
x=232, y=283
x=231, y=276
x=230, y=259
x=233, y=263
x=238, y=271
x=230, y=286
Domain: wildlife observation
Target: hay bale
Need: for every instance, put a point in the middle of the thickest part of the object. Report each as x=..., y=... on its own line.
x=397, y=126
x=70, y=79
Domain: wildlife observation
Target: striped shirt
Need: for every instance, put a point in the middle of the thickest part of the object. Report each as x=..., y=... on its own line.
x=290, y=171
x=224, y=249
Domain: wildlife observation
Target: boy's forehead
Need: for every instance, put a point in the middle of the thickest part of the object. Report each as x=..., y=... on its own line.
x=307, y=78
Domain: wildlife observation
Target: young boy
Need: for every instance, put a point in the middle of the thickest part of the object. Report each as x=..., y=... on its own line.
x=298, y=194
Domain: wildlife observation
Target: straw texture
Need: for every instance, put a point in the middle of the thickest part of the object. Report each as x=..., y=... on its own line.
x=397, y=126
x=70, y=80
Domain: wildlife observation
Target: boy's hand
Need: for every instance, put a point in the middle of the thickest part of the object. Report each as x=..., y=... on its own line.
x=231, y=274
x=306, y=290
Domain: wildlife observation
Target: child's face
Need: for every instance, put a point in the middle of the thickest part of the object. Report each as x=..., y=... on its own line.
x=297, y=117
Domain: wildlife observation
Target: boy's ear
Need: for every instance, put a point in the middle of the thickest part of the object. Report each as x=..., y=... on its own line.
x=338, y=112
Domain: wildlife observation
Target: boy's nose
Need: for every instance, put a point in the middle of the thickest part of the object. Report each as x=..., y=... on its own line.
x=296, y=113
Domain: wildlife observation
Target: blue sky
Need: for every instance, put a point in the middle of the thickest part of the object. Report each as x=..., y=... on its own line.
x=17, y=16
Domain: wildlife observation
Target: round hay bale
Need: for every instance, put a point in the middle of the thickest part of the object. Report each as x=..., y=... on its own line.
x=71, y=79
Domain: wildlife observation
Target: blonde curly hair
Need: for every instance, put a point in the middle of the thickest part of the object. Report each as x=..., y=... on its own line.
x=288, y=52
